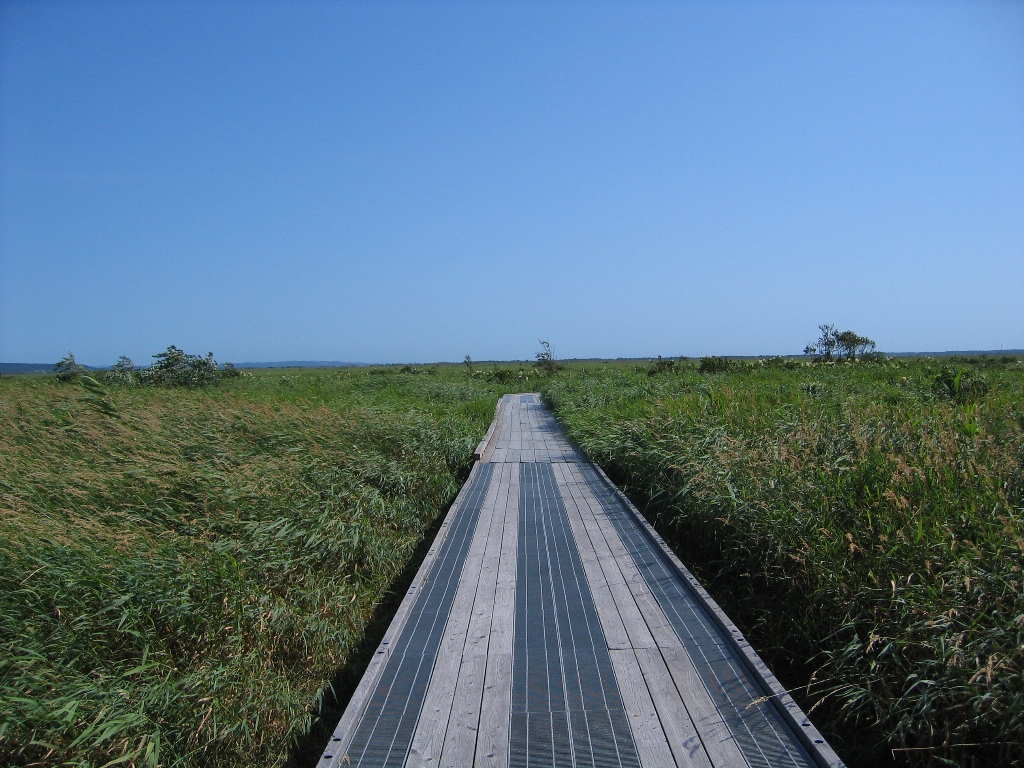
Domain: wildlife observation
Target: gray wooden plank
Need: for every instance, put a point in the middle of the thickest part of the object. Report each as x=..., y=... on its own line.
x=644, y=722
x=681, y=733
x=611, y=622
x=460, y=739
x=629, y=613
x=480, y=454
x=718, y=740
x=613, y=559
x=496, y=699
x=615, y=635
x=803, y=729
x=657, y=622
x=463, y=726
x=492, y=738
x=428, y=738
x=611, y=575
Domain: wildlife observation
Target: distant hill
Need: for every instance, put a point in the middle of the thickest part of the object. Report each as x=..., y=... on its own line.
x=302, y=364
x=39, y=368
x=48, y=367
x=971, y=353
x=26, y=367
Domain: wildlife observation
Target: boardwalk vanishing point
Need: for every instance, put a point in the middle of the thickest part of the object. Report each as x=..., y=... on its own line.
x=549, y=625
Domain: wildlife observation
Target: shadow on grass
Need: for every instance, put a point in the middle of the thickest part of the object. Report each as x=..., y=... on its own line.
x=306, y=752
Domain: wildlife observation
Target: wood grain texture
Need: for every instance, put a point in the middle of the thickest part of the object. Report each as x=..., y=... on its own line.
x=648, y=732
x=432, y=727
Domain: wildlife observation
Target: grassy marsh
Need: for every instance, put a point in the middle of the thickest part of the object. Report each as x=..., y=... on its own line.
x=864, y=524
x=182, y=571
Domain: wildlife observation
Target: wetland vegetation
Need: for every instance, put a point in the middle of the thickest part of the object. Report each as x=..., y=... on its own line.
x=185, y=570
x=863, y=523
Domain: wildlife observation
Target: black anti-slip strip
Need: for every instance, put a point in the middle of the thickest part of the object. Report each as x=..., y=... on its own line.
x=384, y=734
x=765, y=740
x=566, y=708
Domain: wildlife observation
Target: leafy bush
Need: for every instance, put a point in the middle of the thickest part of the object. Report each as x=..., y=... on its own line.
x=123, y=372
x=842, y=344
x=661, y=365
x=175, y=368
x=67, y=369
x=715, y=364
x=777, y=361
x=502, y=375
x=960, y=385
x=546, y=361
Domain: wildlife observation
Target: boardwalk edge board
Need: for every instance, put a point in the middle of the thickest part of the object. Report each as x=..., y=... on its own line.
x=481, y=449
x=479, y=452
x=809, y=736
x=341, y=738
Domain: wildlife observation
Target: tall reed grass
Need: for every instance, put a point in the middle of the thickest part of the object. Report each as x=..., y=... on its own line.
x=863, y=524
x=182, y=572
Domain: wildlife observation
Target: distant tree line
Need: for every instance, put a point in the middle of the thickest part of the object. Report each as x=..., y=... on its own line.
x=172, y=368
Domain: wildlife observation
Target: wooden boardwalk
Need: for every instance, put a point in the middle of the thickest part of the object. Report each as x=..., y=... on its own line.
x=550, y=626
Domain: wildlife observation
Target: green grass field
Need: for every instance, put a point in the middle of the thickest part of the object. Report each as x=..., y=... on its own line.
x=182, y=572
x=185, y=573
x=863, y=524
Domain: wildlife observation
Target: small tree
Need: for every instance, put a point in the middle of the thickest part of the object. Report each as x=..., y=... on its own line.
x=174, y=368
x=546, y=359
x=716, y=364
x=67, y=369
x=123, y=372
x=852, y=344
x=826, y=344
x=661, y=365
x=833, y=343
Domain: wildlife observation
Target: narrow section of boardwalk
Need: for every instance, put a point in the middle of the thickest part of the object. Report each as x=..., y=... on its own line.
x=550, y=626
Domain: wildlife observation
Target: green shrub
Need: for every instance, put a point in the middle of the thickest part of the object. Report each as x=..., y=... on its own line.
x=962, y=386
x=175, y=368
x=661, y=365
x=67, y=369
x=715, y=364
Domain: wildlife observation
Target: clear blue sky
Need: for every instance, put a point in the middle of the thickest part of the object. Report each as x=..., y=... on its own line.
x=402, y=181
